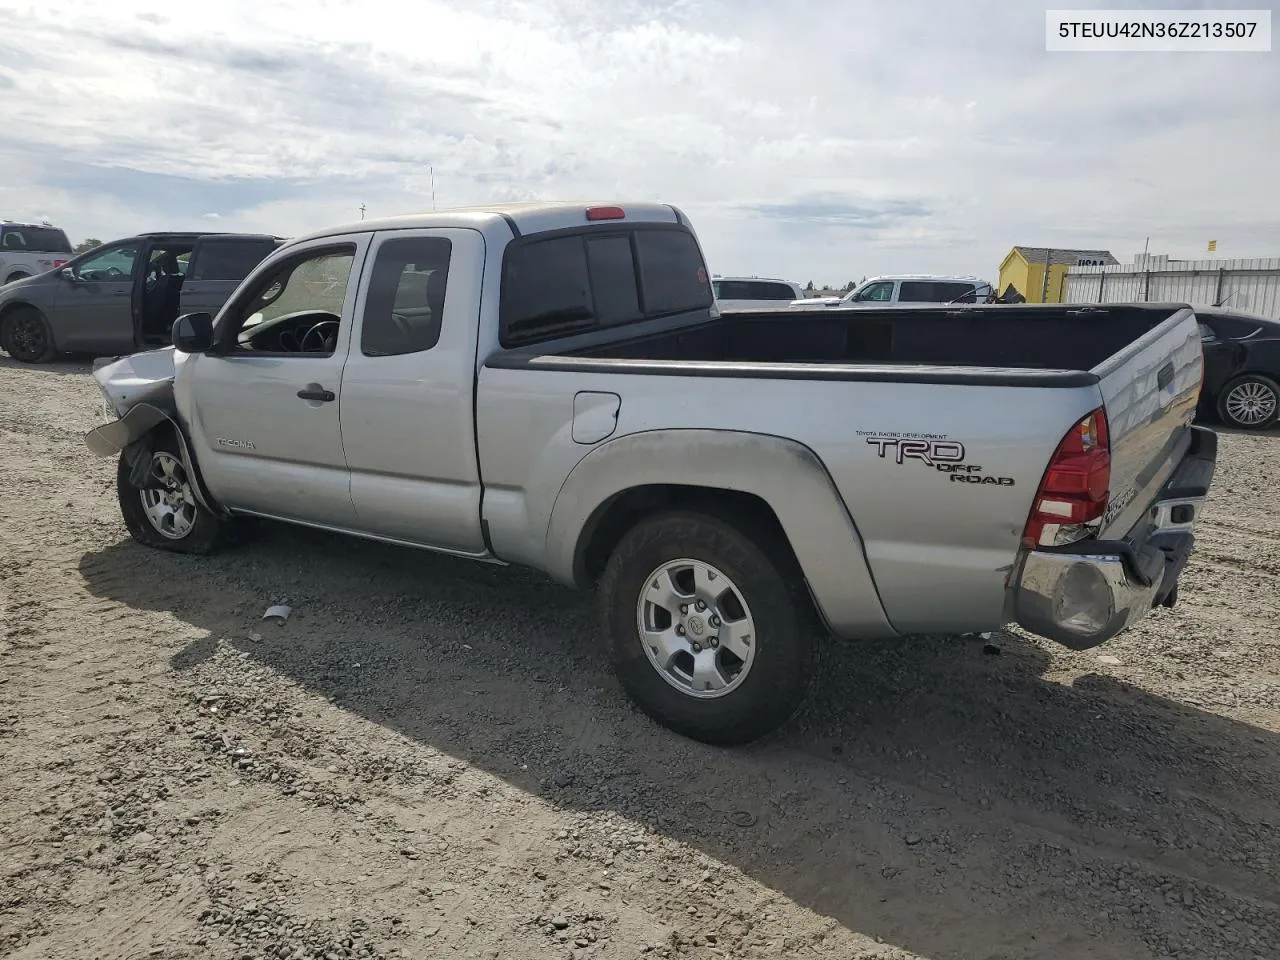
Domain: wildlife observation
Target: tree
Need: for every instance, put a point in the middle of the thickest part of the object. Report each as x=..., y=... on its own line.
x=85, y=245
x=810, y=286
x=849, y=286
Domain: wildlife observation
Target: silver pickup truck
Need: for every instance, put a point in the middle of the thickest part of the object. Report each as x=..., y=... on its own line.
x=552, y=385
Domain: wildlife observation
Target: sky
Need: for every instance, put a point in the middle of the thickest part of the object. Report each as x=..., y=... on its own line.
x=834, y=140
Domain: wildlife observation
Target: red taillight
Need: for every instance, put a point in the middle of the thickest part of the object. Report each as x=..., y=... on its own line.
x=1076, y=484
x=606, y=213
x=58, y=263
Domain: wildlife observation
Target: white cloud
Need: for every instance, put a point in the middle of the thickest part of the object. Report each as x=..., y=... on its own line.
x=833, y=140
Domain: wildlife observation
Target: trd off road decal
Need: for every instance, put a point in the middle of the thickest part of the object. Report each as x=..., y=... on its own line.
x=933, y=450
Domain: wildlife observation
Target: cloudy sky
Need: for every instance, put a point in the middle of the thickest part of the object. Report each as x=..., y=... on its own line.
x=837, y=139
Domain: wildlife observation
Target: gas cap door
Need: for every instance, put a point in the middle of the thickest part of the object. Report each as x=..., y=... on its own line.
x=595, y=415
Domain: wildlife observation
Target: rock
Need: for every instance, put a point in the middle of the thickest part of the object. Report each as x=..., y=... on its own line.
x=563, y=779
x=1108, y=660
x=912, y=839
x=560, y=923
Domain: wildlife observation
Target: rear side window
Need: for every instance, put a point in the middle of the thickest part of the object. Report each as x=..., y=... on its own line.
x=583, y=281
x=775, y=291
x=405, y=302
x=34, y=239
x=229, y=259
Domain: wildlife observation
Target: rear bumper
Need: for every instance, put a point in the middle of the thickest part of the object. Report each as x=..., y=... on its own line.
x=1084, y=594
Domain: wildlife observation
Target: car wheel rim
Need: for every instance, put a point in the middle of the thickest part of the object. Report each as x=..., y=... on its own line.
x=1251, y=403
x=696, y=628
x=170, y=508
x=28, y=337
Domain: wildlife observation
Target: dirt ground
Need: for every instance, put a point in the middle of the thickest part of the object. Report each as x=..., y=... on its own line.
x=432, y=759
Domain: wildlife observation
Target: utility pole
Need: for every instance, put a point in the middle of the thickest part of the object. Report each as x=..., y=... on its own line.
x=362, y=211
x=1044, y=287
x=432, y=171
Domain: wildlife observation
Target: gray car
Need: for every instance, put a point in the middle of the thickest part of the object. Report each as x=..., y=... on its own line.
x=124, y=296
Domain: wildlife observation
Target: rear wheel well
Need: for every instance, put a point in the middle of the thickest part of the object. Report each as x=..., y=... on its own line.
x=609, y=523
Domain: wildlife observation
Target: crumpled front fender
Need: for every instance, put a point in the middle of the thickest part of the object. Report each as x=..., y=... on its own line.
x=109, y=439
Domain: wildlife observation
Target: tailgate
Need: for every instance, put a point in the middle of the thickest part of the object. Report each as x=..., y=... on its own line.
x=1150, y=390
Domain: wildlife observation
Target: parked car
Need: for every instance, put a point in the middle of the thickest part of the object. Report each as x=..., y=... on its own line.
x=551, y=385
x=882, y=291
x=1241, y=368
x=124, y=295
x=28, y=249
x=749, y=293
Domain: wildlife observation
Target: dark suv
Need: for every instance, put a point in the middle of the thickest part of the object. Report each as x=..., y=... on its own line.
x=124, y=296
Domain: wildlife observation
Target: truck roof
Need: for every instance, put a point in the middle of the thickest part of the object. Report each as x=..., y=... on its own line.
x=523, y=218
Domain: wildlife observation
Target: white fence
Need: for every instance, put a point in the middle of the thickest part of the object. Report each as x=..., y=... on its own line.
x=1250, y=286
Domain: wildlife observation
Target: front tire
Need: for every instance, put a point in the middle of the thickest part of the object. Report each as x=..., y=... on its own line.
x=1249, y=402
x=25, y=336
x=709, y=629
x=166, y=516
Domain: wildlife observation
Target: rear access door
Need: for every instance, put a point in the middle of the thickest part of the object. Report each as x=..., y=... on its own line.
x=218, y=264
x=1150, y=390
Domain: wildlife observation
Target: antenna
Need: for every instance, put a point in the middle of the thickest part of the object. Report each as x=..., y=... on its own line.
x=432, y=171
x=362, y=211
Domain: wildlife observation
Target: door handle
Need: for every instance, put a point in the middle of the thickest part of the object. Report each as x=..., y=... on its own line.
x=314, y=392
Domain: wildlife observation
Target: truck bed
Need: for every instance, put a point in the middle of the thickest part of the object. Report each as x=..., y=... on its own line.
x=1040, y=337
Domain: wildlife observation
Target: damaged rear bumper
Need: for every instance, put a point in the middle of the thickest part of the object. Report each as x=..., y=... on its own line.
x=1083, y=594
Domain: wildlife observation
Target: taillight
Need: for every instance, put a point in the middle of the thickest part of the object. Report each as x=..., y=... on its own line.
x=58, y=263
x=1072, y=498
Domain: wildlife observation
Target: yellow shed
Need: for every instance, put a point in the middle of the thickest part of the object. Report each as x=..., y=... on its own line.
x=1024, y=270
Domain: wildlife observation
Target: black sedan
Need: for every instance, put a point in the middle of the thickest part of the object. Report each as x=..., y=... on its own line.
x=1241, y=368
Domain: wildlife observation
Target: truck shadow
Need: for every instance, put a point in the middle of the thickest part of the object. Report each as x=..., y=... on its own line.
x=954, y=803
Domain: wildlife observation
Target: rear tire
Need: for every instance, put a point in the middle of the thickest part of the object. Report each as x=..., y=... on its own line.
x=168, y=518
x=737, y=663
x=1249, y=402
x=25, y=336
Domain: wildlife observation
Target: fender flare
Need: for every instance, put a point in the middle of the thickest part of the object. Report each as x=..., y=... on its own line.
x=785, y=474
x=111, y=439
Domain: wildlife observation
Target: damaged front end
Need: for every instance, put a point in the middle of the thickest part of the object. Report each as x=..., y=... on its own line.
x=138, y=391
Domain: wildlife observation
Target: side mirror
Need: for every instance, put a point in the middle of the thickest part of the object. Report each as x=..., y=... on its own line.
x=193, y=332
x=68, y=274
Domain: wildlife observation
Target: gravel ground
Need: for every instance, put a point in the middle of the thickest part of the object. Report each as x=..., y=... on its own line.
x=431, y=759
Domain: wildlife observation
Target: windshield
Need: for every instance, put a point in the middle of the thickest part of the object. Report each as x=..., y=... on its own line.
x=34, y=239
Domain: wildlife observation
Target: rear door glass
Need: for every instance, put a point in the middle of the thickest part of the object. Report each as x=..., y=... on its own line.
x=229, y=259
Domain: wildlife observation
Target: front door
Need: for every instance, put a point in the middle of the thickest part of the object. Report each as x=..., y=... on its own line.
x=264, y=406
x=407, y=391
x=93, y=310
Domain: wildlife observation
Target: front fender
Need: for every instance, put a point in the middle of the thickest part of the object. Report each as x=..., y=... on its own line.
x=110, y=439
x=787, y=475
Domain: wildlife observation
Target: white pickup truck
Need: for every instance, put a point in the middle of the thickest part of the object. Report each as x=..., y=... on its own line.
x=30, y=249
x=552, y=385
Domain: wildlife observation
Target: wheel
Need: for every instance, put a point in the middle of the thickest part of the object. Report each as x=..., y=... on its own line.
x=15, y=277
x=1249, y=402
x=25, y=336
x=710, y=632
x=166, y=515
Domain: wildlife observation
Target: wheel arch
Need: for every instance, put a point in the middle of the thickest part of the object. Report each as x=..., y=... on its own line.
x=746, y=478
x=147, y=422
